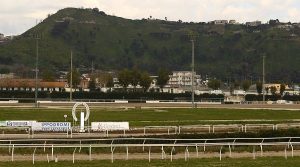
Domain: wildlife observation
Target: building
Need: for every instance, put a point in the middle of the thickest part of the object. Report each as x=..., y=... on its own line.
x=183, y=79
x=232, y=22
x=253, y=23
x=29, y=85
x=9, y=75
x=221, y=22
x=2, y=37
x=277, y=86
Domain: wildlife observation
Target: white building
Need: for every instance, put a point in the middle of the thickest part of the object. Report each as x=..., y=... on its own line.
x=183, y=79
x=2, y=37
x=223, y=22
x=253, y=23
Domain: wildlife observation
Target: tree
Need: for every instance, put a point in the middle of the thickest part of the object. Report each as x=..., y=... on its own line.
x=75, y=78
x=48, y=76
x=124, y=77
x=135, y=77
x=259, y=87
x=145, y=81
x=282, y=88
x=246, y=85
x=163, y=78
x=110, y=81
x=273, y=90
x=214, y=84
x=92, y=84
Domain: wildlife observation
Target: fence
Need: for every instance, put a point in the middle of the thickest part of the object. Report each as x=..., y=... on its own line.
x=289, y=144
x=147, y=130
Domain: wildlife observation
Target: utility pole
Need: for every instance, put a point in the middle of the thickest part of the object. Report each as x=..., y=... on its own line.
x=263, y=83
x=36, y=71
x=193, y=71
x=71, y=76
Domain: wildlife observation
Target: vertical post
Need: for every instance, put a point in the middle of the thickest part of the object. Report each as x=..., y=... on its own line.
x=74, y=155
x=36, y=72
x=193, y=71
x=229, y=150
x=71, y=76
x=221, y=153
x=126, y=152
x=197, y=151
x=263, y=88
x=33, y=155
x=90, y=153
x=52, y=150
x=285, y=155
x=149, y=156
x=253, y=153
x=12, y=153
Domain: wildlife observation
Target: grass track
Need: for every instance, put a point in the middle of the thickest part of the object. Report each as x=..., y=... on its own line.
x=151, y=117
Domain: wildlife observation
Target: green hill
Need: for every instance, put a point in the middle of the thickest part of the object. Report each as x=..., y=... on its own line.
x=224, y=51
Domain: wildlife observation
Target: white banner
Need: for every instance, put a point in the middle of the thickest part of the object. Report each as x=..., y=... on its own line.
x=51, y=126
x=2, y=123
x=19, y=123
x=101, y=126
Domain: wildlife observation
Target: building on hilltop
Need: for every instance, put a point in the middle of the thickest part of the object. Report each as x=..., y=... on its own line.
x=253, y=23
x=221, y=22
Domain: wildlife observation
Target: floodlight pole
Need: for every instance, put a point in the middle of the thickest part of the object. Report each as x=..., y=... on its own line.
x=193, y=71
x=71, y=76
x=36, y=71
x=263, y=84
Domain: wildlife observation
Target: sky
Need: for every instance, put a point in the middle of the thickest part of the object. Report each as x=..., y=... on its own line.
x=17, y=16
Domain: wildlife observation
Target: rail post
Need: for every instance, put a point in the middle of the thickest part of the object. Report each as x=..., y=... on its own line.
x=33, y=155
x=149, y=155
x=74, y=155
x=12, y=153
x=90, y=153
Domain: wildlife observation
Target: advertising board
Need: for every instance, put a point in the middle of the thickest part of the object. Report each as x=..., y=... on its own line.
x=102, y=126
x=19, y=123
x=51, y=126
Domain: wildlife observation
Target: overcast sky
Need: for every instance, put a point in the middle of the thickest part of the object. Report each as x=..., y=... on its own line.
x=17, y=16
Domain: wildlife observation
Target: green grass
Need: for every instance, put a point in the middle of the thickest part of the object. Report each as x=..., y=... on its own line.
x=244, y=162
x=152, y=117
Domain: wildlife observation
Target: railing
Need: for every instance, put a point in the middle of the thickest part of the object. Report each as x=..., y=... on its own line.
x=231, y=143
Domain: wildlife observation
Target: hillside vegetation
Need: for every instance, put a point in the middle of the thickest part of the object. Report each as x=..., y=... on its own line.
x=113, y=43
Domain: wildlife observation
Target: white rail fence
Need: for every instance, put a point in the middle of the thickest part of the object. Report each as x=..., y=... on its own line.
x=224, y=144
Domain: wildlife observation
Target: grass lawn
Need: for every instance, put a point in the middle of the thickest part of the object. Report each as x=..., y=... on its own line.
x=244, y=162
x=152, y=116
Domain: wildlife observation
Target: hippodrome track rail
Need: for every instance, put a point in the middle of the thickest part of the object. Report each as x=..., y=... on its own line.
x=148, y=130
x=196, y=143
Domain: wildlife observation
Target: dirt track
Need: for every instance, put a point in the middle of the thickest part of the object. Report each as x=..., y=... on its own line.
x=145, y=156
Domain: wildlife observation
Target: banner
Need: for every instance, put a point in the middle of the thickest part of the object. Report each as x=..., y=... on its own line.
x=2, y=123
x=19, y=123
x=102, y=126
x=51, y=126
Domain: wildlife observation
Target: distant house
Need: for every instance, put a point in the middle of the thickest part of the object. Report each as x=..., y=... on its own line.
x=221, y=22
x=183, y=78
x=253, y=23
x=29, y=85
x=232, y=22
x=2, y=37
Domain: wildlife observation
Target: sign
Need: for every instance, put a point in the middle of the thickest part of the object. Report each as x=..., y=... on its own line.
x=102, y=126
x=19, y=123
x=2, y=123
x=51, y=126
